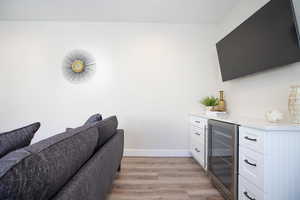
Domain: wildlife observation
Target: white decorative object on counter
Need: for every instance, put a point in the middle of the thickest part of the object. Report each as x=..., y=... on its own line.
x=294, y=104
x=274, y=116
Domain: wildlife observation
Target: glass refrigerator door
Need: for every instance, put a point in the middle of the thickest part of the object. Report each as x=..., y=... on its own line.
x=222, y=155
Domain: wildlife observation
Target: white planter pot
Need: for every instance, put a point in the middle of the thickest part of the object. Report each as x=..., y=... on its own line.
x=209, y=108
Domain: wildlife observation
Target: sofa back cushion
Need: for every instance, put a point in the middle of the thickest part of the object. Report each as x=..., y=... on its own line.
x=94, y=180
x=16, y=139
x=106, y=128
x=40, y=170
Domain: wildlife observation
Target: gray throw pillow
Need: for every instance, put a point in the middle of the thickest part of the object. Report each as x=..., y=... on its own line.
x=106, y=129
x=92, y=119
x=16, y=139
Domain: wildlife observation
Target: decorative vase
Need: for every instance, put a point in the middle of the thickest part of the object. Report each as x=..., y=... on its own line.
x=221, y=107
x=294, y=104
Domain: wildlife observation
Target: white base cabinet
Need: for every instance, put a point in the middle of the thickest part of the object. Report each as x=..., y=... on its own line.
x=198, y=140
x=269, y=164
x=269, y=156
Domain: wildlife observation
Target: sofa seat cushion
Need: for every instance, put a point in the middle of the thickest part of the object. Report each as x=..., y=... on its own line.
x=106, y=128
x=16, y=139
x=40, y=170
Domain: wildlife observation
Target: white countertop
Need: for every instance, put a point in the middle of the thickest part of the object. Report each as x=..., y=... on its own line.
x=253, y=123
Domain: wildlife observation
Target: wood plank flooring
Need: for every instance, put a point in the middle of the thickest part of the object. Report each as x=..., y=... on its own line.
x=162, y=179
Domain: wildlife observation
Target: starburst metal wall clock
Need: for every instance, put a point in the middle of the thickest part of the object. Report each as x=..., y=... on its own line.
x=78, y=66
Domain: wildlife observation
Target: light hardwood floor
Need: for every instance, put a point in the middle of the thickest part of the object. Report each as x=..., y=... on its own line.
x=162, y=179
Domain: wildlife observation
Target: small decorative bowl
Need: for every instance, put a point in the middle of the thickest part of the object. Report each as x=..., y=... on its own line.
x=274, y=116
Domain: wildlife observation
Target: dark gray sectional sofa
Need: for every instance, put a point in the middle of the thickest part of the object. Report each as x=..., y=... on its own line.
x=79, y=164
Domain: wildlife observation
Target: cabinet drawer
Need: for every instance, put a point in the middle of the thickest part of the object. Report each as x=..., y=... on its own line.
x=198, y=122
x=252, y=139
x=198, y=152
x=197, y=134
x=251, y=166
x=248, y=191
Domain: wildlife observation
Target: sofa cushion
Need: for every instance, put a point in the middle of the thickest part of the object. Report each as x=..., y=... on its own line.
x=16, y=139
x=94, y=180
x=92, y=119
x=106, y=128
x=11, y=159
x=40, y=170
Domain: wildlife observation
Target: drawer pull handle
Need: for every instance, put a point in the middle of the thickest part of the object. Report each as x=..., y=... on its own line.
x=251, y=139
x=197, y=150
x=249, y=163
x=197, y=122
x=247, y=195
x=197, y=134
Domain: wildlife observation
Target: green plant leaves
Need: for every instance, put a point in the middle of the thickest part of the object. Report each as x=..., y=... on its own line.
x=210, y=101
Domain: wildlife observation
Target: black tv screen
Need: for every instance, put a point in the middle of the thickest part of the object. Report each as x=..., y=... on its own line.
x=266, y=40
x=296, y=9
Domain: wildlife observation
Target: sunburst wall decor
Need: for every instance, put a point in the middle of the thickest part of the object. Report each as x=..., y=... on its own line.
x=78, y=66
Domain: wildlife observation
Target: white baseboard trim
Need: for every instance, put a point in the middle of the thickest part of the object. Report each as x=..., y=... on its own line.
x=157, y=153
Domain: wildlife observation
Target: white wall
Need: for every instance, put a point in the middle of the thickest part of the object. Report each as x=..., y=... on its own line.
x=150, y=75
x=255, y=94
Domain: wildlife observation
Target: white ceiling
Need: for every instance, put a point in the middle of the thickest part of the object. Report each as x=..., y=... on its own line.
x=164, y=11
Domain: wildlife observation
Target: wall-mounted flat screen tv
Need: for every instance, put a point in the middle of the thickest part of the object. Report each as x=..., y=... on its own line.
x=266, y=40
x=296, y=9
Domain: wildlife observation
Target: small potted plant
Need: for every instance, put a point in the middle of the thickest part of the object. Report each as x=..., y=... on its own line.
x=209, y=103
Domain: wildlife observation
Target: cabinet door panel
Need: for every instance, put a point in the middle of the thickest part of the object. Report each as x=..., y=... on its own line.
x=251, y=166
x=252, y=139
x=248, y=191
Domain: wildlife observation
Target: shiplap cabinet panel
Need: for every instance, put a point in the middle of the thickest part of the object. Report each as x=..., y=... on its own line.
x=271, y=170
